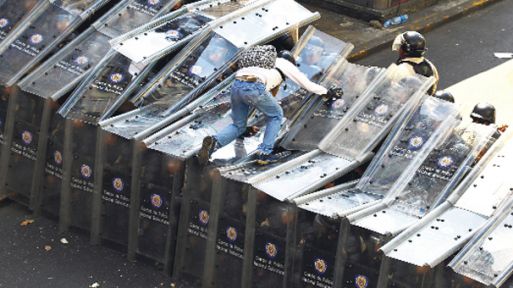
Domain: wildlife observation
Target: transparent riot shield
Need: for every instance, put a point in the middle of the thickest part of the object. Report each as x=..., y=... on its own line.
x=371, y=119
x=108, y=85
x=159, y=37
x=65, y=69
x=321, y=117
x=25, y=47
x=487, y=258
x=316, y=53
x=132, y=15
x=427, y=245
x=12, y=13
x=416, y=194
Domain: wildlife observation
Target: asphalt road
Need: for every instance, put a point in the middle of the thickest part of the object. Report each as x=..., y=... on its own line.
x=460, y=49
x=465, y=47
x=33, y=256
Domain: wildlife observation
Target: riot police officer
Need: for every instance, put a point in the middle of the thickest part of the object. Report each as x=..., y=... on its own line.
x=411, y=46
x=484, y=113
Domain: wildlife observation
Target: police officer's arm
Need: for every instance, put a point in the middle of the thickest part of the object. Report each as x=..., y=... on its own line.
x=294, y=74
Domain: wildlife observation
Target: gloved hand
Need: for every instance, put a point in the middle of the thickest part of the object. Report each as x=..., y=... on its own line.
x=251, y=131
x=333, y=94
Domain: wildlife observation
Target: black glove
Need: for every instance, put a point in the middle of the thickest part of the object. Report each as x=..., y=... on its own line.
x=333, y=94
x=251, y=131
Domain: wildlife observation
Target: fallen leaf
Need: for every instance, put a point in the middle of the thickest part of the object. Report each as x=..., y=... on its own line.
x=64, y=241
x=48, y=247
x=26, y=222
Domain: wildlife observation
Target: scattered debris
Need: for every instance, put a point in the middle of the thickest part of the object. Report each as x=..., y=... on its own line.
x=94, y=285
x=503, y=55
x=64, y=241
x=26, y=222
x=346, y=24
x=48, y=247
x=376, y=24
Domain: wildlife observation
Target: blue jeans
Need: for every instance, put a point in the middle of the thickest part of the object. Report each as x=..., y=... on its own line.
x=252, y=94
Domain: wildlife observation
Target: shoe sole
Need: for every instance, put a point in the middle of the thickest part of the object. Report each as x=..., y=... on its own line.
x=203, y=156
x=266, y=162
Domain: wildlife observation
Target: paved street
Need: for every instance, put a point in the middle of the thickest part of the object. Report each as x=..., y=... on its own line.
x=25, y=261
x=465, y=47
x=460, y=49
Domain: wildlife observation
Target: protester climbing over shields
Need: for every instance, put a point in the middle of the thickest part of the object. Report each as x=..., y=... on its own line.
x=261, y=70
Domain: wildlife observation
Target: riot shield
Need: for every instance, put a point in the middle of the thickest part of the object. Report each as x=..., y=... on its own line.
x=161, y=36
x=320, y=118
x=372, y=119
x=316, y=53
x=65, y=69
x=488, y=256
x=25, y=47
x=108, y=85
x=447, y=228
x=132, y=15
x=431, y=183
x=12, y=13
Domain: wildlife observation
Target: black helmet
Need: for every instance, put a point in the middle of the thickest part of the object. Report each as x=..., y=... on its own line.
x=287, y=55
x=412, y=43
x=444, y=95
x=483, y=113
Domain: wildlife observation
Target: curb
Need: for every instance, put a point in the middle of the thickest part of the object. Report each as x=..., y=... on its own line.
x=422, y=24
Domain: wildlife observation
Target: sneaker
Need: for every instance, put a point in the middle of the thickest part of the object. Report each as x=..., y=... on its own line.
x=208, y=147
x=266, y=159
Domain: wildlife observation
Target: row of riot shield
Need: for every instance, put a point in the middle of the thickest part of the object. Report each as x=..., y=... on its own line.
x=24, y=42
x=103, y=203
x=351, y=258
x=37, y=130
x=268, y=226
x=418, y=257
x=46, y=26
x=156, y=173
x=231, y=215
